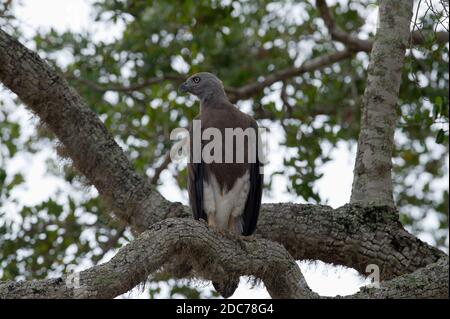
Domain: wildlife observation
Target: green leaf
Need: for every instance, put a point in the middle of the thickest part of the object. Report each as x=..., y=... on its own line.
x=437, y=107
x=440, y=136
x=17, y=180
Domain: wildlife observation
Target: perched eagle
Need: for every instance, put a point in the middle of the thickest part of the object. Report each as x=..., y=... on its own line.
x=226, y=194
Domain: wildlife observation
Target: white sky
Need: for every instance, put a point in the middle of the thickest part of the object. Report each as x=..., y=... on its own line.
x=335, y=186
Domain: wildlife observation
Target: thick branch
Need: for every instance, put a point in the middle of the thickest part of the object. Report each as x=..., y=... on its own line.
x=210, y=255
x=92, y=149
x=372, y=181
x=430, y=282
x=214, y=257
x=350, y=235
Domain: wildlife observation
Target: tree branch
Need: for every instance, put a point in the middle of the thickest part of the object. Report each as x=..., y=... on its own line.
x=357, y=44
x=92, y=149
x=210, y=255
x=110, y=243
x=158, y=170
x=440, y=37
x=352, y=236
x=430, y=282
x=213, y=257
x=337, y=34
x=372, y=181
x=317, y=63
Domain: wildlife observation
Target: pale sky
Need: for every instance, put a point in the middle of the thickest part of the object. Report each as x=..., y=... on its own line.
x=335, y=186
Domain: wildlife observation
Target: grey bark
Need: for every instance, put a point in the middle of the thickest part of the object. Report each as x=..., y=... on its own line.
x=92, y=149
x=430, y=282
x=351, y=235
x=193, y=246
x=207, y=254
x=372, y=181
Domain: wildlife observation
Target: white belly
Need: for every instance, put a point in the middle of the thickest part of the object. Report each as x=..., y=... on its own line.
x=224, y=206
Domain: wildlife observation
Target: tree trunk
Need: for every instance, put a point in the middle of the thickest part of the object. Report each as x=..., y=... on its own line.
x=372, y=181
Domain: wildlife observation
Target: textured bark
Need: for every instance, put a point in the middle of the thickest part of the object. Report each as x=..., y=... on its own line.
x=189, y=243
x=207, y=254
x=372, y=181
x=429, y=282
x=351, y=235
x=86, y=140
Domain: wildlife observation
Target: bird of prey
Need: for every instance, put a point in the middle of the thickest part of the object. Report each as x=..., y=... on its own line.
x=225, y=194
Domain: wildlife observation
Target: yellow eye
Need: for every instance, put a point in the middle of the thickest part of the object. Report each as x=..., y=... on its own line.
x=196, y=79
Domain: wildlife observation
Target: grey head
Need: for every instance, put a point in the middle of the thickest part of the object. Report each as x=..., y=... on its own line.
x=206, y=86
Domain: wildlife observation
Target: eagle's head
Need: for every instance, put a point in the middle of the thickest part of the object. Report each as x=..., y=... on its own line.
x=203, y=85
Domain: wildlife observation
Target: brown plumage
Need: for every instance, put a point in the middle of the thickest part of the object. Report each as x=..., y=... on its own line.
x=226, y=195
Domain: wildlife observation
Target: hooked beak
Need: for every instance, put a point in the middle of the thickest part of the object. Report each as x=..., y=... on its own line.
x=183, y=88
